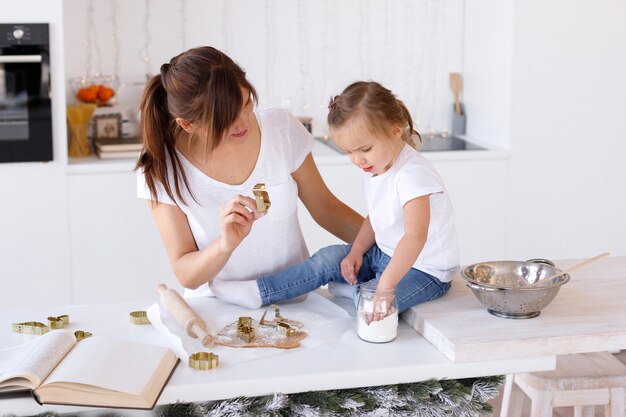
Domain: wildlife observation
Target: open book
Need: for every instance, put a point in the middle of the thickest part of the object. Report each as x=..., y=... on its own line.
x=96, y=371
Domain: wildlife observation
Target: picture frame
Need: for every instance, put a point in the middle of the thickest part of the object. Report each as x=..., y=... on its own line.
x=107, y=126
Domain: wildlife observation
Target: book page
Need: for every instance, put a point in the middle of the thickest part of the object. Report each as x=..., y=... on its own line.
x=35, y=359
x=114, y=364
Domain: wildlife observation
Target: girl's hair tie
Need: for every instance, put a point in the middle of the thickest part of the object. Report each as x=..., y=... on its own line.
x=333, y=102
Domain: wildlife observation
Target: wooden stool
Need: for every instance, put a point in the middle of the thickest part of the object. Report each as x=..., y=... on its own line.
x=581, y=380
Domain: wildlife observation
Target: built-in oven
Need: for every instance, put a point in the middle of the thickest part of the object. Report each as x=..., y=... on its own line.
x=25, y=105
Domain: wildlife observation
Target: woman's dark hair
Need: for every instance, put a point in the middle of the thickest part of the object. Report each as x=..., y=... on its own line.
x=202, y=86
x=377, y=106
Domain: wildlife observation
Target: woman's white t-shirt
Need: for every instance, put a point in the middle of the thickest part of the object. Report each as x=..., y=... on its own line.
x=275, y=241
x=412, y=176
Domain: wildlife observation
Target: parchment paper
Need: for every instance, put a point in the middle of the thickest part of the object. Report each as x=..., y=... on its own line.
x=322, y=320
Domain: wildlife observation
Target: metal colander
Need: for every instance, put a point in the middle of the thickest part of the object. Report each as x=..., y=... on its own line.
x=503, y=286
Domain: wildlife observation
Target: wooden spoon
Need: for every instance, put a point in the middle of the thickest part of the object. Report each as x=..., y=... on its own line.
x=570, y=269
x=455, y=84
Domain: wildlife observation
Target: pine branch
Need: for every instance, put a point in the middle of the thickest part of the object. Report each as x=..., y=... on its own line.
x=324, y=401
x=432, y=398
x=181, y=409
x=487, y=388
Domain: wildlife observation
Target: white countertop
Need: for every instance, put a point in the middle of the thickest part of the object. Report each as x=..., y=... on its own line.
x=322, y=154
x=325, y=155
x=345, y=362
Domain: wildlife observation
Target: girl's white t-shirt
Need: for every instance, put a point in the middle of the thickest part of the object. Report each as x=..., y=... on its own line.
x=275, y=241
x=412, y=176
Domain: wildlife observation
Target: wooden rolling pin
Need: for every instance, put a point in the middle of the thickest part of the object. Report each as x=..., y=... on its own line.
x=184, y=315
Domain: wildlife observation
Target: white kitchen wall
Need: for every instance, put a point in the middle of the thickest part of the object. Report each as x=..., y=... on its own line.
x=296, y=53
x=549, y=78
x=567, y=194
x=487, y=70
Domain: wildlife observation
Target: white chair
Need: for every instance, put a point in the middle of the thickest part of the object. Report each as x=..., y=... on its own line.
x=581, y=381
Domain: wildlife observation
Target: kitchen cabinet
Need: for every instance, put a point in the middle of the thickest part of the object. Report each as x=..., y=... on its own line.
x=116, y=252
x=478, y=190
x=34, y=236
x=476, y=181
x=344, y=181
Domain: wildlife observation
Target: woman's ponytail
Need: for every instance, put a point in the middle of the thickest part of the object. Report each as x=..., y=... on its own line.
x=158, y=132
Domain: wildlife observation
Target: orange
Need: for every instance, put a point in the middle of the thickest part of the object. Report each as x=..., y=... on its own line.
x=86, y=94
x=105, y=94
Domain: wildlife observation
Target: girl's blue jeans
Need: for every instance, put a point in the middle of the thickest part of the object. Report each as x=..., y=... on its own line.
x=324, y=266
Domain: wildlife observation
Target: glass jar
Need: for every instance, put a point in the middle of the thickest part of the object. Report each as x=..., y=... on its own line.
x=78, y=117
x=377, y=314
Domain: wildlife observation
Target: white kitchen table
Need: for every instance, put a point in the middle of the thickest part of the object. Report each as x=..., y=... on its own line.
x=587, y=315
x=348, y=362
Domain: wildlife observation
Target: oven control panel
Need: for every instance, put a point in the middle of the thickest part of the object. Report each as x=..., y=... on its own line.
x=14, y=34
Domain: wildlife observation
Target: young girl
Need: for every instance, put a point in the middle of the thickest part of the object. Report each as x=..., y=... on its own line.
x=408, y=240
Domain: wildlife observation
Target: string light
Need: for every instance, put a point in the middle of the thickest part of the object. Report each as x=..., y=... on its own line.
x=183, y=25
x=326, y=53
x=88, y=46
x=388, y=45
x=302, y=53
x=438, y=25
x=417, y=105
x=401, y=44
x=92, y=43
x=144, y=52
x=363, y=29
x=117, y=66
x=270, y=48
x=408, y=54
x=226, y=24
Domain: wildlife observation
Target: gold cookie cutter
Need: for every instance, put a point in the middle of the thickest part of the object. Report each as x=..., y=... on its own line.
x=285, y=329
x=262, y=198
x=203, y=361
x=139, y=317
x=38, y=328
x=59, y=322
x=30, y=327
x=277, y=316
x=245, y=331
x=80, y=335
x=279, y=322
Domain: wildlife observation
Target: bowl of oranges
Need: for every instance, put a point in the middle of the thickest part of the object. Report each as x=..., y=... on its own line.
x=97, y=90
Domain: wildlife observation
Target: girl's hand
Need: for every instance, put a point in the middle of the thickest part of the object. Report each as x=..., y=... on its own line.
x=236, y=218
x=381, y=307
x=350, y=267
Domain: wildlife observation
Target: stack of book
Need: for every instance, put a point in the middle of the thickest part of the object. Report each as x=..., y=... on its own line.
x=118, y=148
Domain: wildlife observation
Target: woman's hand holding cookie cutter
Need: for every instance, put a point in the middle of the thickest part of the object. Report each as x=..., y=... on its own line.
x=262, y=198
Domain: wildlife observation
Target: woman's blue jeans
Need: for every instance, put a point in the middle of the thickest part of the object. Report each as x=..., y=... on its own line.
x=324, y=266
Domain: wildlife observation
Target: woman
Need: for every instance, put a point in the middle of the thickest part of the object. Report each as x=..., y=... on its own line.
x=205, y=147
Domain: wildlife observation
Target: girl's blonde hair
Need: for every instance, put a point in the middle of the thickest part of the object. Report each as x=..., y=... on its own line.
x=378, y=108
x=203, y=86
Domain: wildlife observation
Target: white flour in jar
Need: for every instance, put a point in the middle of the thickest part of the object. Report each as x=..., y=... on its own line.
x=379, y=331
